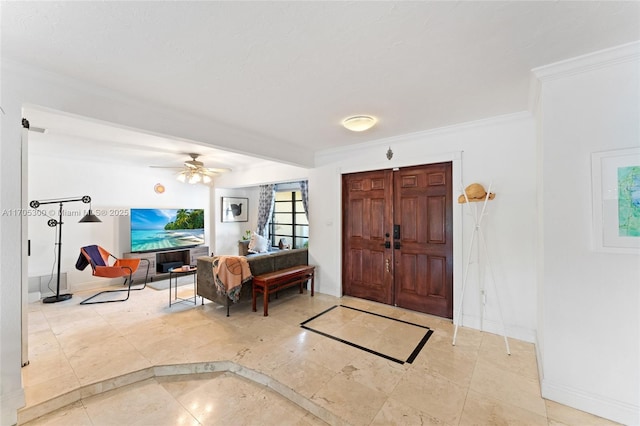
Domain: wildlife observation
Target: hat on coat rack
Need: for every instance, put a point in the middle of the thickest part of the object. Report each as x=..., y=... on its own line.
x=475, y=192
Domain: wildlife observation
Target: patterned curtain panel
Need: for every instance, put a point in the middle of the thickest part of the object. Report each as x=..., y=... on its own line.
x=304, y=190
x=265, y=207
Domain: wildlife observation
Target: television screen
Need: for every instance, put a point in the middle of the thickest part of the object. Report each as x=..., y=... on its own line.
x=164, y=229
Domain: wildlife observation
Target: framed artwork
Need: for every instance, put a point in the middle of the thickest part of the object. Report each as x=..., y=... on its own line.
x=616, y=200
x=235, y=209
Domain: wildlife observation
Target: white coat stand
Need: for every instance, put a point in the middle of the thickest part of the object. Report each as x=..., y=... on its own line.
x=478, y=238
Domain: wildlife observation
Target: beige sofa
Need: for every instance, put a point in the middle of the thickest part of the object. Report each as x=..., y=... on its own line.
x=258, y=263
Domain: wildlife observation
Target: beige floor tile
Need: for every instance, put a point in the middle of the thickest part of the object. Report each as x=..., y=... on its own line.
x=42, y=342
x=522, y=360
x=304, y=376
x=111, y=357
x=47, y=389
x=37, y=321
x=46, y=366
x=74, y=339
x=143, y=403
x=375, y=372
x=394, y=412
x=451, y=363
x=267, y=356
x=329, y=353
x=559, y=414
x=432, y=394
x=505, y=386
x=355, y=402
x=480, y=410
x=209, y=401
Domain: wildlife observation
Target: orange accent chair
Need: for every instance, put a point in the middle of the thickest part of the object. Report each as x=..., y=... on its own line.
x=98, y=258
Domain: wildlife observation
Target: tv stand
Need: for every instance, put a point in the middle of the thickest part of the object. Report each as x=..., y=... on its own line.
x=161, y=261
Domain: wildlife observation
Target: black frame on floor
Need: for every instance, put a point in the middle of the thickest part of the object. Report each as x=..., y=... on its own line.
x=409, y=360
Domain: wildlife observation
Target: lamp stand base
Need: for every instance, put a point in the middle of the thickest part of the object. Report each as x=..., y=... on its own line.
x=57, y=298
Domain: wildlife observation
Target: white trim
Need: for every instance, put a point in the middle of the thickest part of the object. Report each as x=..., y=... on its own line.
x=591, y=61
x=598, y=405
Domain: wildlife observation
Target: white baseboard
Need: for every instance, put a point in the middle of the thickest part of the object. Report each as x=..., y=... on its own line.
x=618, y=411
x=495, y=327
x=34, y=297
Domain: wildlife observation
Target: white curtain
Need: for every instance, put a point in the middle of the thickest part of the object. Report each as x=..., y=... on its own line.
x=265, y=207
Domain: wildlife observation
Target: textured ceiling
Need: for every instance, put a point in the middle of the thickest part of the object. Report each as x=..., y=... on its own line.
x=292, y=70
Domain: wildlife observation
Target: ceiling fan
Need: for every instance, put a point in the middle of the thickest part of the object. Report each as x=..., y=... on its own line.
x=193, y=171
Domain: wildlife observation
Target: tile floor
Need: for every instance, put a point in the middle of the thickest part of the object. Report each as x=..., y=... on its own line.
x=145, y=363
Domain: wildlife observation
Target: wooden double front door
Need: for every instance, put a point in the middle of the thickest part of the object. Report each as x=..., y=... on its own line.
x=397, y=245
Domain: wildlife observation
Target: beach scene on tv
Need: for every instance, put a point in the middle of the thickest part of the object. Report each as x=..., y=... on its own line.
x=163, y=229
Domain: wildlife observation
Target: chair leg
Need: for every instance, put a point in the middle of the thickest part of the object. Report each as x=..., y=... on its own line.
x=128, y=289
x=146, y=277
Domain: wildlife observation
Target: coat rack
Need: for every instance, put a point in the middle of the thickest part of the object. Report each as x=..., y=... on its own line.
x=475, y=193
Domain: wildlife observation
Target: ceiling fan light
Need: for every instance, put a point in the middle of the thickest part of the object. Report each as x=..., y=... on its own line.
x=359, y=123
x=195, y=178
x=182, y=177
x=206, y=179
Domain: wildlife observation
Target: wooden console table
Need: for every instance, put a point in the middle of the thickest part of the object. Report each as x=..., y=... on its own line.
x=278, y=280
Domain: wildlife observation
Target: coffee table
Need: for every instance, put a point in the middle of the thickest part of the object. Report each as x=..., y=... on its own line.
x=175, y=273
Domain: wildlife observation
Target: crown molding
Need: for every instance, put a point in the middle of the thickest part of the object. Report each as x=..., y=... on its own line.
x=601, y=59
x=337, y=154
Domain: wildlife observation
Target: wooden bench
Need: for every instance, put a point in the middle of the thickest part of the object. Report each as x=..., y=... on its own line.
x=278, y=280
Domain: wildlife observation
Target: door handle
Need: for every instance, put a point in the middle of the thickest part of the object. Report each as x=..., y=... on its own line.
x=386, y=265
x=387, y=244
x=396, y=245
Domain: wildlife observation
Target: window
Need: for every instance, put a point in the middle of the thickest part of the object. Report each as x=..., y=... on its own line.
x=289, y=220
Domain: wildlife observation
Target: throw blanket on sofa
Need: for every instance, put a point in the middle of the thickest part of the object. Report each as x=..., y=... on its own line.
x=230, y=273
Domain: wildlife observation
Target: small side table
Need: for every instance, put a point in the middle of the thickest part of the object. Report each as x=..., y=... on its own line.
x=175, y=273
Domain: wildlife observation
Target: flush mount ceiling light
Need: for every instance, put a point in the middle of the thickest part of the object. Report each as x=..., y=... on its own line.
x=359, y=123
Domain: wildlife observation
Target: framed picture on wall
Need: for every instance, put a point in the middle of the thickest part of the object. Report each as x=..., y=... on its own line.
x=235, y=209
x=616, y=200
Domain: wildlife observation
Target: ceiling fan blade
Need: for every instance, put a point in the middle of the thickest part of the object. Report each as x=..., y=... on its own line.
x=167, y=167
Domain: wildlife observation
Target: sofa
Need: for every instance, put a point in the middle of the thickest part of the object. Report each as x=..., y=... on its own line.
x=259, y=264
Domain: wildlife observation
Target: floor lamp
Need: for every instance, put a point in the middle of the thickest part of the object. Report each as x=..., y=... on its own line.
x=87, y=218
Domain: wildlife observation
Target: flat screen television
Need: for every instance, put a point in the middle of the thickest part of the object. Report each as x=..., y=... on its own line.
x=166, y=229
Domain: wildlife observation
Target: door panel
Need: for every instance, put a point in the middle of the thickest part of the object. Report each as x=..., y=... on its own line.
x=424, y=264
x=418, y=273
x=367, y=214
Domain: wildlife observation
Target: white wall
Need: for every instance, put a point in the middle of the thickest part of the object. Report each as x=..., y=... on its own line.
x=498, y=151
x=229, y=233
x=590, y=330
x=114, y=189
